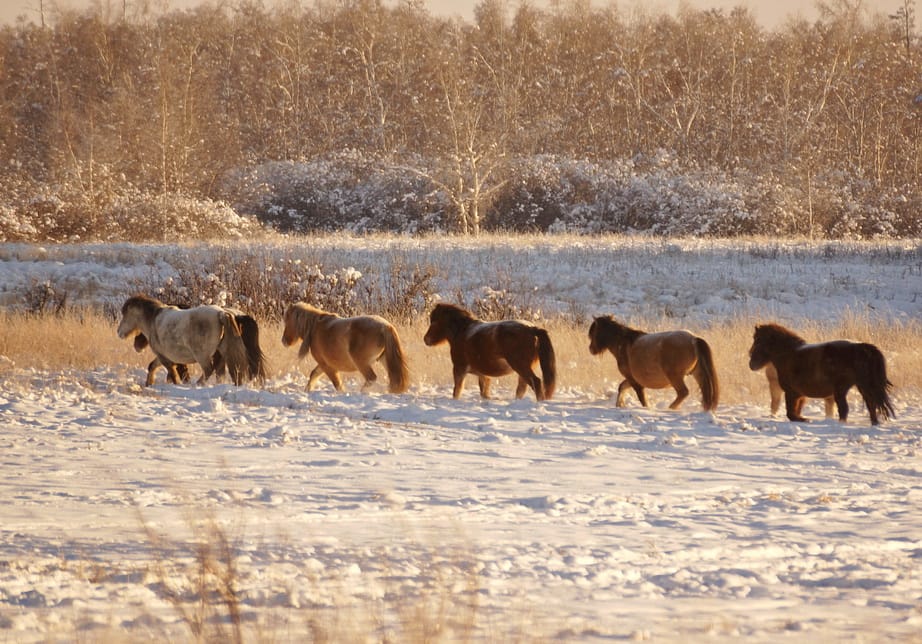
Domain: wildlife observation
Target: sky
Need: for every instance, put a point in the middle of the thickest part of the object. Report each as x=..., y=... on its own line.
x=770, y=13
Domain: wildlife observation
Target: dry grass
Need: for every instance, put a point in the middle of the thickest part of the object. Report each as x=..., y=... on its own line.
x=89, y=340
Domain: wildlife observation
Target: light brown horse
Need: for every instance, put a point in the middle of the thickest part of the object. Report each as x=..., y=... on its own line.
x=186, y=336
x=777, y=393
x=656, y=360
x=346, y=344
x=493, y=349
x=821, y=370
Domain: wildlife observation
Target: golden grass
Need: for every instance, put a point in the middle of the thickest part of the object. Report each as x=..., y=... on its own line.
x=88, y=340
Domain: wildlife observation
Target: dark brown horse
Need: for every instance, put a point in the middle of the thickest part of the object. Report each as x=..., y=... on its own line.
x=493, y=349
x=656, y=360
x=821, y=370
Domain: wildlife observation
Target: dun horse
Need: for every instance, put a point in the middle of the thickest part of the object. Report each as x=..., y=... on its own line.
x=346, y=344
x=822, y=370
x=656, y=360
x=185, y=336
x=493, y=349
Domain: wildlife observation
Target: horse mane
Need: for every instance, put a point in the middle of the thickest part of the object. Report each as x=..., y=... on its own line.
x=149, y=305
x=775, y=335
x=453, y=318
x=609, y=324
x=310, y=308
x=305, y=317
x=455, y=311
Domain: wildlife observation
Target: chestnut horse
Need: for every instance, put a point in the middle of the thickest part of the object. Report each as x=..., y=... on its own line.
x=184, y=336
x=346, y=344
x=176, y=373
x=821, y=370
x=493, y=349
x=656, y=360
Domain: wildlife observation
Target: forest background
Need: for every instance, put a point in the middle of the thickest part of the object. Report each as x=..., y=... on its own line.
x=121, y=123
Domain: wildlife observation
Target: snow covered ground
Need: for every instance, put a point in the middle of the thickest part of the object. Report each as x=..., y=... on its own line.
x=361, y=514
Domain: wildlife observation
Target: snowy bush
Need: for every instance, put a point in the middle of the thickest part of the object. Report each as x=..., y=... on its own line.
x=345, y=191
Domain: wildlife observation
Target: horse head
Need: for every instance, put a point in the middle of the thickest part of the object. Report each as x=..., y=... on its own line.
x=299, y=325
x=769, y=340
x=606, y=333
x=445, y=321
x=137, y=312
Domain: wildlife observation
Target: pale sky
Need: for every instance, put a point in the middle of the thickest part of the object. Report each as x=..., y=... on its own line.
x=769, y=12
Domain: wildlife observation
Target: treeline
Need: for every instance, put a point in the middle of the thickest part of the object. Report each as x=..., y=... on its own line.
x=365, y=115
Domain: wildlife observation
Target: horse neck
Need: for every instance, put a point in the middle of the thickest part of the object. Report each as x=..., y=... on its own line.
x=622, y=336
x=460, y=325
x=788, y=342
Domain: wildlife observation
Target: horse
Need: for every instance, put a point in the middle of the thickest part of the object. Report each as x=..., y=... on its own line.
x=821, y=370
x=177, y=373
x=346, y=344
x=656, y=360
x=493, y=349
x=184, y=336
x=776, y=392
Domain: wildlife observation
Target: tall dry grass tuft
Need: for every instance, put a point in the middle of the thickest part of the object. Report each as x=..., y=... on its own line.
x=71, y=340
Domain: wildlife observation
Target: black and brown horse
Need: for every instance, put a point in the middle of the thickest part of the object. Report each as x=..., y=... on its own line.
x=656, y=360
x=821, y=370
x=493, y=349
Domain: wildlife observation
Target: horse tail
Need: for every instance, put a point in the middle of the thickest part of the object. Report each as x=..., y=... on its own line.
x=706, y=375
x=873, y=384
x=256, y=359
x=548, y=361
x=398, y=373
x=233, y=349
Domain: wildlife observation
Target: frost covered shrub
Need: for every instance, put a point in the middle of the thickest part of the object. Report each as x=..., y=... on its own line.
x=345, y=191
x=48, y=214
x=549, y=193
x=35, y=212
x=264, y=285
x=167, y=217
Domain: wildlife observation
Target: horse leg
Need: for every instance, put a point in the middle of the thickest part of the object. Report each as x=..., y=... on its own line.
x=333, y=375
x=312, y=379
x=776, y=393
x=830, y=402
x=841, y=398
x=638, y=389
x=793, y=404
x=641, y=393
x=621, y=389
x=483, y=382
x=459, y=375
x=151, y=371
x=528, y=378
x=681, y=391
x=521, y=388
x=370, y=376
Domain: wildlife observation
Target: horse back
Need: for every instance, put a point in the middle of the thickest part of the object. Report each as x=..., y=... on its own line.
x=180, y=334
x=653, y=356
x=491, y=348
